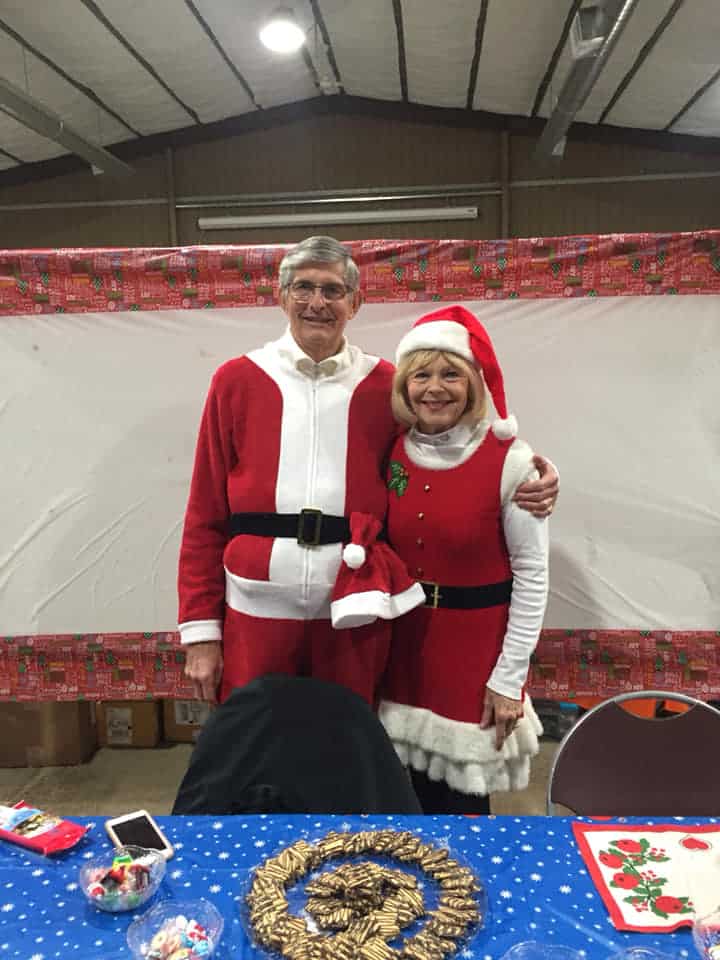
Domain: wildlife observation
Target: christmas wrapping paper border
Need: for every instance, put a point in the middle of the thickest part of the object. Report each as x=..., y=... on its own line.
x=566, y=664
x=628, y=872
x=100, y=280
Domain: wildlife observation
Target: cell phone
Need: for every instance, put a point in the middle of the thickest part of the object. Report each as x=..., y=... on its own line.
x=140, y=829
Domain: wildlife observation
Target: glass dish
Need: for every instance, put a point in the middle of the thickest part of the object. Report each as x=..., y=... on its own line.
x=706, y=935
x=122, y=878
x=173, y=925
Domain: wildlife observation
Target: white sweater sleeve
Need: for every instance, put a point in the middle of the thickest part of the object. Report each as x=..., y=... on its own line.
x=526, y=537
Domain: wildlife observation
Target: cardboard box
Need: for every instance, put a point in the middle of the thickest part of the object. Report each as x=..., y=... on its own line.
x=184, y=719
x=47, y=734
x=128, y=723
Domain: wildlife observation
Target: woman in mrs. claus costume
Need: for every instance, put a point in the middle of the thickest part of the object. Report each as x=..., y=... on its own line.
x=454, y=703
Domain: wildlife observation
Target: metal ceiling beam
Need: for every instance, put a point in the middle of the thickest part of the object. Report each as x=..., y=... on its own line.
x=310, y=64
x=475, y=65
x=694, y=99
x=35, y=115
x=100, y=16
x=85, y=90
x=10, y=156
x=612, y=17
x=330, y=53
x=402, y=62
x=209, y=33
x=641, y=57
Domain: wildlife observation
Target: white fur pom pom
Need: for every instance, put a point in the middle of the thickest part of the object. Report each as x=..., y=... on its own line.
x=354, y=555
x=505, y=429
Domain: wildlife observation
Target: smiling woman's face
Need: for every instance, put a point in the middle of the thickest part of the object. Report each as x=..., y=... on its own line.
x=438, y=395
x=318, y=324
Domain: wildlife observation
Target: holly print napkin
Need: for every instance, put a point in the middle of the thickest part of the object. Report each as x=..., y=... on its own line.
x=653, y=878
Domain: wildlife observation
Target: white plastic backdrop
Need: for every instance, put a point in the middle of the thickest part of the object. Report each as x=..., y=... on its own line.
x=98, y=414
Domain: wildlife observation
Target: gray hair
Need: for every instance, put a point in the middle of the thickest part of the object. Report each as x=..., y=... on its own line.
x=319, y=250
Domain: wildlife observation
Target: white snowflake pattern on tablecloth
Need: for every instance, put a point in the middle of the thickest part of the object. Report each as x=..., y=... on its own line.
x=498, y=848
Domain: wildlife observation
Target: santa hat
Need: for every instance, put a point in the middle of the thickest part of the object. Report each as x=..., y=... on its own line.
x=455, y=330
x=372, y=581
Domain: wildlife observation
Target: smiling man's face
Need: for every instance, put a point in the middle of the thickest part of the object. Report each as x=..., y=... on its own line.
x=318, y=324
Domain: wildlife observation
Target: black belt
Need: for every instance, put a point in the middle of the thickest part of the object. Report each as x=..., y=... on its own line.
x=467, y=598
x=309, y=527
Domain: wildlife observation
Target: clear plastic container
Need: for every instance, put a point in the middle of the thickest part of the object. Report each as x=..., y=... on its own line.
x=706, y=935
x=642, y=953
x=163, y=925
x=533, y=950
x=139, y=884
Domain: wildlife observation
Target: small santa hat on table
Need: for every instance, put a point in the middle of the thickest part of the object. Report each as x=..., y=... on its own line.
x=372, y=580
x=455, y=330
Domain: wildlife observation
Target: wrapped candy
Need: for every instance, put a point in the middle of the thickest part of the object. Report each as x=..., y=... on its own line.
x=43, y=832
x=179, y=939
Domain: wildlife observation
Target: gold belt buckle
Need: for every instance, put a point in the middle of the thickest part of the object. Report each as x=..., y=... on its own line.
x=434, y=600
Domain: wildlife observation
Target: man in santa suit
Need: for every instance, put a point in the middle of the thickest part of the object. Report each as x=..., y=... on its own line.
x=292, y=444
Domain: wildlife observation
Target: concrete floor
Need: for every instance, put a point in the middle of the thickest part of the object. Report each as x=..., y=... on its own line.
x=118, y=780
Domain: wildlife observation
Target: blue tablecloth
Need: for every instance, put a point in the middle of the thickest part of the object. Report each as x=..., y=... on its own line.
x=536, y=880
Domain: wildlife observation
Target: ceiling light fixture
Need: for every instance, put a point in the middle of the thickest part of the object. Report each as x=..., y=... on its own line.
x=407, y=215
x=35, y=115
x=282, y=33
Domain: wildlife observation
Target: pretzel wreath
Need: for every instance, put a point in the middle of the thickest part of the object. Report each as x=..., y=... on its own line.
x=359, y=906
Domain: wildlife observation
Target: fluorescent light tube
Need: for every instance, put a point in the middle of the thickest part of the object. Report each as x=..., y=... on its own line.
x=408, y=215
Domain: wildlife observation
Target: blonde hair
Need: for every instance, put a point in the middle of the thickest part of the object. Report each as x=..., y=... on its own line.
x=400, y=401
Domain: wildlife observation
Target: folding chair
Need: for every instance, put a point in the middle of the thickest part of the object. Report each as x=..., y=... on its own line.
x=614, y=763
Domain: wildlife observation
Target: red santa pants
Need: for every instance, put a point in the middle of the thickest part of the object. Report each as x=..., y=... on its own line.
x=253, y=646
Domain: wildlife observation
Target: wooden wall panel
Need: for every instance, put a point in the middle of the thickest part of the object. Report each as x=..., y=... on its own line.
x=336, y=152
x=618, y=207
x=90, y=227
x=602, y=160
x=340, y=153
x=148, y=181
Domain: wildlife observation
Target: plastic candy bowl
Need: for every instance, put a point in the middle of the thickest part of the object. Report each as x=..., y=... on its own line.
x=122, y=878
x=187, y=928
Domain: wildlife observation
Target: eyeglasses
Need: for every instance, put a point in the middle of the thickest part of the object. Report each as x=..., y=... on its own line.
x=303, y=291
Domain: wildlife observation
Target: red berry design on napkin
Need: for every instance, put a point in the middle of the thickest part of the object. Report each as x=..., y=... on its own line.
x=693, y=843
x=646, y=885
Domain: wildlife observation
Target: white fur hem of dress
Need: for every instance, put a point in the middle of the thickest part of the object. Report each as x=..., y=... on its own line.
x=462, y=754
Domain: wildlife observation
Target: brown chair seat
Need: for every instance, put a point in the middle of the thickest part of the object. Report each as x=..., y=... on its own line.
x=613, y=763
